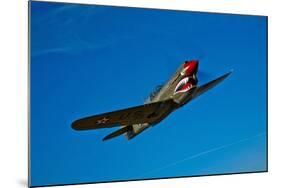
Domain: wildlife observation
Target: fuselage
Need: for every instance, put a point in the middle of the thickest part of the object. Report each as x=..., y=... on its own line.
x=179, y=88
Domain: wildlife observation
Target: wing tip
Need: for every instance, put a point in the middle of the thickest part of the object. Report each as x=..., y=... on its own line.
x=227, y=74
x=75, y=125
x=231, y=71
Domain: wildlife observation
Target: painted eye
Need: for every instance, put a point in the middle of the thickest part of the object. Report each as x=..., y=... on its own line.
x=183, y=72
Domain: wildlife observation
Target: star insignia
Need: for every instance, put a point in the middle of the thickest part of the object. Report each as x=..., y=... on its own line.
x=102, y=121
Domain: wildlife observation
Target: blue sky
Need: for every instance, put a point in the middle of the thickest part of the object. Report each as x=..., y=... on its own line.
x=87, y=60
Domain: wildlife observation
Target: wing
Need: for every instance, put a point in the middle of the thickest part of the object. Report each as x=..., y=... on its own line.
x=202, y=89
x=148, y=113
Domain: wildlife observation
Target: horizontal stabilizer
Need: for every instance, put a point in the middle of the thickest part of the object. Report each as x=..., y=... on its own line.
x=117, y=133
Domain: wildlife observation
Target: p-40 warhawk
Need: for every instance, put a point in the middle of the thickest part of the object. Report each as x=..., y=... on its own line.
x=179, y=90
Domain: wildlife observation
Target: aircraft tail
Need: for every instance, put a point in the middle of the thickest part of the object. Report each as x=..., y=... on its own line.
x=117, y=133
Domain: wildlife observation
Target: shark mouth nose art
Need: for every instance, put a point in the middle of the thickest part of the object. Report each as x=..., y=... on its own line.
x=184, y=85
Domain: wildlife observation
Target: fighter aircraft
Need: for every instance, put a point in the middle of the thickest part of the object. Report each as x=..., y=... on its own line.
x=178, y=91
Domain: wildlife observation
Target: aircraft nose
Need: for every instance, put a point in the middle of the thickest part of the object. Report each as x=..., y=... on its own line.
x=191, y=67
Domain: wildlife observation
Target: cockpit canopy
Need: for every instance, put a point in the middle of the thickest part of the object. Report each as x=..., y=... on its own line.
x=155, y=91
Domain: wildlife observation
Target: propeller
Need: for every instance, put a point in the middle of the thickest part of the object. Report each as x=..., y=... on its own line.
x=204, y=76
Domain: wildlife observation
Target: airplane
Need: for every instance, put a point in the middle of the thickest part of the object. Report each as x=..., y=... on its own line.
x=178, y=91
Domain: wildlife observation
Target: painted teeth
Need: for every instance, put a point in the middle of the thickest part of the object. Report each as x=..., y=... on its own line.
x=183, y=82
